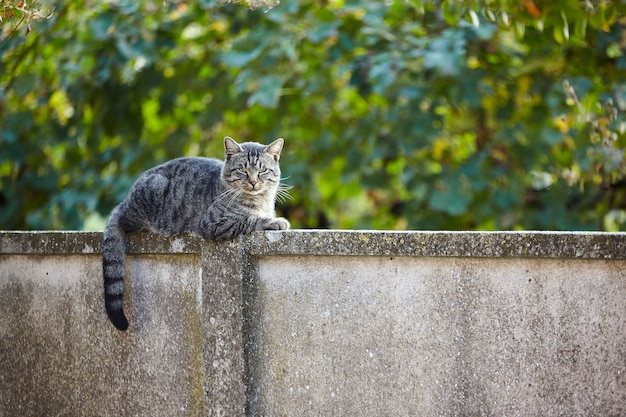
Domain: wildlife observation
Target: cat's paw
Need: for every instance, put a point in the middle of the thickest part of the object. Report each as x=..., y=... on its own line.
x=277, y=223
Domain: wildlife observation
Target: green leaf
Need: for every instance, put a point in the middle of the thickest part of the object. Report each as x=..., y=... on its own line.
x=474, y=20
x=383, y=73
x=102, y=26
x=452, y=11
x=580, y=27
x=520, y=28
x=448, y=197
x=268, y=91
x=551, y=136
x=238, y=59
x=323, y=31
x=128, y=7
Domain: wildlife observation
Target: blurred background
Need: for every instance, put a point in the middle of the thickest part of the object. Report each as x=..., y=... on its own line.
x=458, y=115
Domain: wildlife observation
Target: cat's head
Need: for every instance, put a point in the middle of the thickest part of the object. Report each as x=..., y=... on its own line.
x=252, y=167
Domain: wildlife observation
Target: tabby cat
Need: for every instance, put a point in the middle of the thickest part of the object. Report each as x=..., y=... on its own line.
x=215, y=199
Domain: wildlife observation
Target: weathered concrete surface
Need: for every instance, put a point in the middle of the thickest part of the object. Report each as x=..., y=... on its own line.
x=59, y=355
x=565, y=245
x=398, y=336
x=317, y=323
x=437, y=324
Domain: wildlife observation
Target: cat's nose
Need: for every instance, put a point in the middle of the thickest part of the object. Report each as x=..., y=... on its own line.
x=253, y=180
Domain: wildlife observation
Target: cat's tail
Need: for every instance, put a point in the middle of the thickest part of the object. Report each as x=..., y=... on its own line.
x=113, y=259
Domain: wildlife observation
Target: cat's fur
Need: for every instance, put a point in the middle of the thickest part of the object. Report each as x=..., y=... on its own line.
x=215, y=199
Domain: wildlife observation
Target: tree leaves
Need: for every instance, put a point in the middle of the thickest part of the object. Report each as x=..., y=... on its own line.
x=414, y=114
x=267, y=91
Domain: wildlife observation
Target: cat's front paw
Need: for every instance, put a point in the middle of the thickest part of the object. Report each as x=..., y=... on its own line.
x=277, y=223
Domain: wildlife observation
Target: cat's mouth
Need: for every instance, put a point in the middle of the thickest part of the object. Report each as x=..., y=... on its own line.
x=253, y=190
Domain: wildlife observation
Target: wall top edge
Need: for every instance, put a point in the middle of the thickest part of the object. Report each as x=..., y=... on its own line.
x=535, y=244
x=76, y=243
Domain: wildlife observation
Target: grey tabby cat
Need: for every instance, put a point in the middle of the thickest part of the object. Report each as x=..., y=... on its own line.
x=214, y=199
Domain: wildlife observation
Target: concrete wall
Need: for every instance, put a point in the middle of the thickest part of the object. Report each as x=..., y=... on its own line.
x=59, y=355
x=318, y=323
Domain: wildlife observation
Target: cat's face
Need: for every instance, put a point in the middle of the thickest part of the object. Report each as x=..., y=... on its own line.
x=251, y=167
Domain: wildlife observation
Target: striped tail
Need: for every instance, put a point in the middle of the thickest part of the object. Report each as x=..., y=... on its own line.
x=113, y=258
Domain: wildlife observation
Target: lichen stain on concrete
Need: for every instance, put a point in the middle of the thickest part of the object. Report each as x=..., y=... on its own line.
x=195, y=365
x=273, y=235
x=177, y=244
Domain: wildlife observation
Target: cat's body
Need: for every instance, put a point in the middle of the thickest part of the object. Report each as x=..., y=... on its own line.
x=215, y=199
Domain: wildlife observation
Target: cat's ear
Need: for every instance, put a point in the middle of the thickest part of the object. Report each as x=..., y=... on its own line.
x=231, y=147
x=274, y=148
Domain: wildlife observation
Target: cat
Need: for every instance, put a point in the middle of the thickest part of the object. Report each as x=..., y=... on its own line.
x=218, y=200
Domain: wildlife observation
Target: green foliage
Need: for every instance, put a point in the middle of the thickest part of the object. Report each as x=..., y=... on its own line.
x=484, y=115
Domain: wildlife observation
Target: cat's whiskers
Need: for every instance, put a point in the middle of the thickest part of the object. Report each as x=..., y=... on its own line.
x=234, y=198
x=225, y=193
x=229, y=196
x=282, y=193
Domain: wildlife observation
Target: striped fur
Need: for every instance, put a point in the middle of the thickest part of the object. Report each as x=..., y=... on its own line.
x=215, y=199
